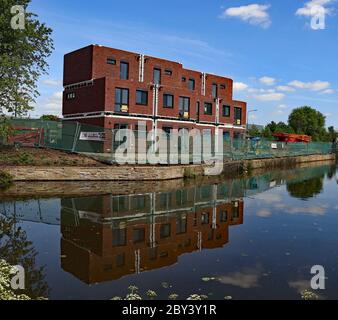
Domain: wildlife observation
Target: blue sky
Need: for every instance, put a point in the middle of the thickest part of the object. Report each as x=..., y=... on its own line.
x=278, y=62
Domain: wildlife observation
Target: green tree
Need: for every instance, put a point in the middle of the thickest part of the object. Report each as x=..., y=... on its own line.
x=267, y=133
x=254, y=131
x=279, y=127
x=306, y=120
x=23, y=58
x=306, y=189
x=332, y=134
x=49, y=117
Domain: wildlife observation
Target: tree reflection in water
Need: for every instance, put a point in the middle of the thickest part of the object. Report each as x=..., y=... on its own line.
x=16, y=249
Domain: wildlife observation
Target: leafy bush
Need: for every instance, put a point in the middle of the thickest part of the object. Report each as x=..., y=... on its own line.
x=6, y=128
x=5, y=179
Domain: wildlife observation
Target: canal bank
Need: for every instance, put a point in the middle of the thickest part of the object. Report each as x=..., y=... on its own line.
x=151, y=173
x=197, y=238
x=50, y=189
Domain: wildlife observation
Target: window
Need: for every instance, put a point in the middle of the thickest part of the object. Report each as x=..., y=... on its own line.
x=168, y=72
x=224, y=216
x=235, y=211
x=167, y=130
x=165, y=231
x=124, y=70
x=222, y=86
x=184, y=106
x=198, y=105
x=181, y=224
x=139, y=202
x=138, y=235
x=226, y=111
x=205, y=218
x=142, y=97
x=184, y=79
x=70, y=96
x=153, y=253
x=208, y=108
x=111, y=60
x=238, y=116
x=120, y=126
x=121, y=100
x=119, y=237
x=168, y=101
x=226, y=136
x=191, y=84
x=157, y=76
x=214, y=90
x=120, y=260
x=181, y=197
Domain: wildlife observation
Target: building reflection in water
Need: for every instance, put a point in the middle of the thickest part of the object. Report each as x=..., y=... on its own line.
x=107, y=237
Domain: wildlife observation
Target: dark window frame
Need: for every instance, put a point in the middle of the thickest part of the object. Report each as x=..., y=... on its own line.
x=136, y=235
x=168, y=72
x=165, y=104
x=122, y=76
x=160, y=75
x=214, y=94
x=165, y=231
x=235, y=115
x=182, y=108
x=226, y=107
x=71, y=96
x=193, y=86
x=121, y=103
x=205, y=108
x=146, y=95
x=111, y=61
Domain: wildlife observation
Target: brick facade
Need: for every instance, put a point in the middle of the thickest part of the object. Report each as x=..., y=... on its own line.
x=92, y=75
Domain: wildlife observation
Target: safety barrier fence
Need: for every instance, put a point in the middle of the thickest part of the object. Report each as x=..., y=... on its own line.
x=114, y=145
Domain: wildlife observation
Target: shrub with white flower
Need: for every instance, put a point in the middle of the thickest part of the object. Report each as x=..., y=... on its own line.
x=6, y=292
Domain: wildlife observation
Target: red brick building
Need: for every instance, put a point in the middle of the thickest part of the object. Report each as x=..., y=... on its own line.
x=117, y=89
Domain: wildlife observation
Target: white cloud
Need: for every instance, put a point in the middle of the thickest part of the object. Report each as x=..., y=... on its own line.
x=51, y=105
x=328, y=91
x=264, y=213
x=270, y=96
x=268, y=81
x=254, y=14
x=253, y=117
x=285, y=89
x=51, y=83
x=313, y=86
x=246, y=279
x=240, y=86
x=309, y=8
x=281, y=109
x=313, y=210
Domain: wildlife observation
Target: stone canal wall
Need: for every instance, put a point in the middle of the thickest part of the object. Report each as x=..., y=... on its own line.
x=149, y=173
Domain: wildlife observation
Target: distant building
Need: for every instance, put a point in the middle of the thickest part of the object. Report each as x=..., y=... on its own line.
x=117, y=89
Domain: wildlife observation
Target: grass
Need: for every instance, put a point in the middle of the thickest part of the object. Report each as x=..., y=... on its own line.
x=23, y=156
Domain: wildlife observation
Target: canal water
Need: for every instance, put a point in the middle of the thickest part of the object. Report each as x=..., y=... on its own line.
x=252, y=238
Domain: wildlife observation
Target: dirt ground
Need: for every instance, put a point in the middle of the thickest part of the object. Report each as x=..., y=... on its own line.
x=11, y=156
